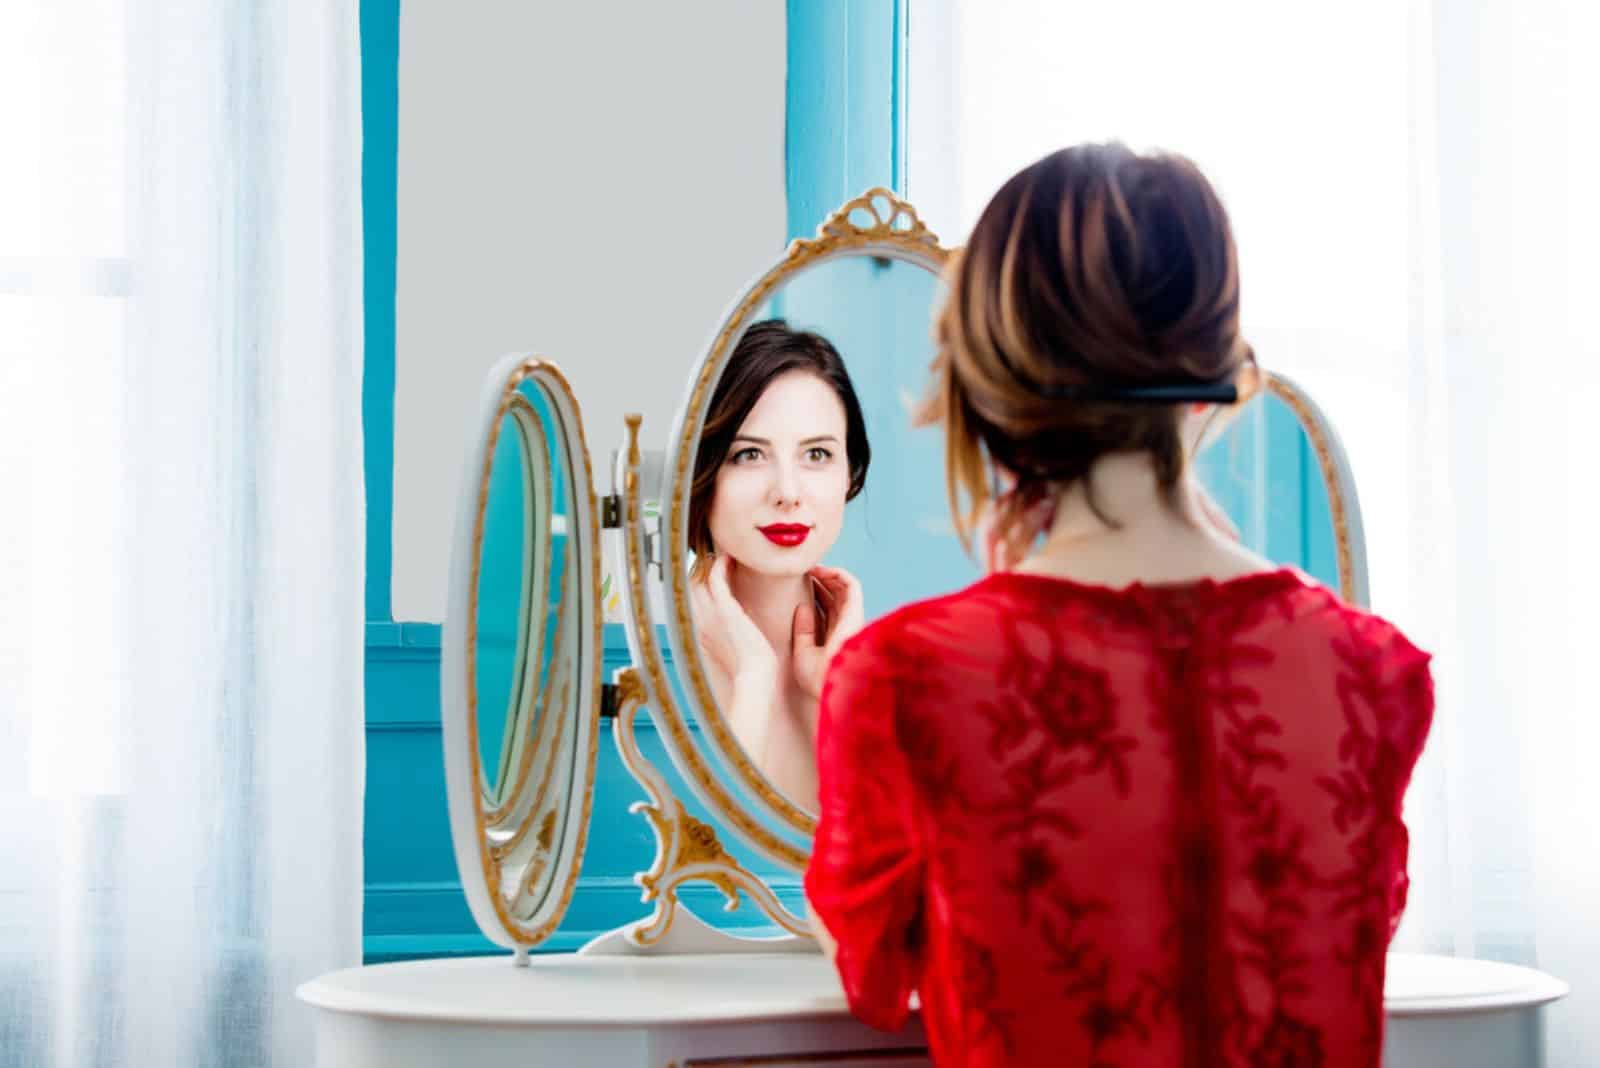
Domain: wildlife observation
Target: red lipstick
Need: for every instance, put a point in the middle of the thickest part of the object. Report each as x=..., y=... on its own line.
x=787, y=535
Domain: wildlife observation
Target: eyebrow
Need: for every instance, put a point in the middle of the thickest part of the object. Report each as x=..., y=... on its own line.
x=763, y=441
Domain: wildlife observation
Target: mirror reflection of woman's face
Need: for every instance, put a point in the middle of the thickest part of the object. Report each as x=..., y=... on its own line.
x=780, y=493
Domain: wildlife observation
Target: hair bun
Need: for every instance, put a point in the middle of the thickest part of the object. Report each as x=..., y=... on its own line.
x=1099, y=290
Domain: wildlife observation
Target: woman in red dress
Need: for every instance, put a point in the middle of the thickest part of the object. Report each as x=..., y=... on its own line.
x=1135, y=797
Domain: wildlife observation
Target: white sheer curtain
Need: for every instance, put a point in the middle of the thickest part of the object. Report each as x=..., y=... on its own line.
x=181, y=514
x=1413, y=186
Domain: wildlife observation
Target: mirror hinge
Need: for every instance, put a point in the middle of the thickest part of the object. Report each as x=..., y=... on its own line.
x=610, y=511
x=608, y=701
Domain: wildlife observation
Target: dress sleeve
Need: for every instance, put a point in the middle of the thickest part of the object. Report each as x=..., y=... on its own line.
x=865, y=877
x=1407, y=716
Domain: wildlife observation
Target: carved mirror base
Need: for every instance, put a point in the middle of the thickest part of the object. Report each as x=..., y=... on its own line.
x=687, y=850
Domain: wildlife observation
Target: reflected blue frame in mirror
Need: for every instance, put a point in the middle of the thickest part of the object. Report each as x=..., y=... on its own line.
x=527, y=472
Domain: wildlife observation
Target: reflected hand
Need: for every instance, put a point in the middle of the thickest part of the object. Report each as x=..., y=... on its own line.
x=709, y=632
x=846, y=616
x=727, y=633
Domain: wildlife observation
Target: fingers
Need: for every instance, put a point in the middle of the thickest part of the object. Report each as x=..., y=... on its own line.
x=846, y=605
x=804, y=629
x=807, y=656
x=717, y=584
x=840, y=590
x=734, y=620
x=1041, y=516
x=749, y=646
x=699, y=597
x=830, y=591
x=996, y=555
x=1008, y=526
x=837, y=583
x=822, y=592
x=706, y=616
x=993, y=542
x=708, y=626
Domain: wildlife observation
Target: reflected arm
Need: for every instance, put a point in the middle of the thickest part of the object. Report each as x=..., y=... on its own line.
x=750, y=710
x=736, y=650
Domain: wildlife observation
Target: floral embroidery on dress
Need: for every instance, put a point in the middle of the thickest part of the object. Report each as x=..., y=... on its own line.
x=1143, y=827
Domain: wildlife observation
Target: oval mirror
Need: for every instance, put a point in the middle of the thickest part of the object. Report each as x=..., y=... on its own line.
x=792, y=463
x=520, y=670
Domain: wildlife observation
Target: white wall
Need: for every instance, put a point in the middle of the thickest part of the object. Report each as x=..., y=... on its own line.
x=594, y=182
x=933, y=118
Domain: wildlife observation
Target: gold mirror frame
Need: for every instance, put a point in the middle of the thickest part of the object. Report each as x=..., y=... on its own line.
x=877, y=223
x=1344, y=505
x=482, y=851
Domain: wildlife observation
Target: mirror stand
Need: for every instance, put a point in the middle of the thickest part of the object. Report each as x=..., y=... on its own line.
x=687, y=848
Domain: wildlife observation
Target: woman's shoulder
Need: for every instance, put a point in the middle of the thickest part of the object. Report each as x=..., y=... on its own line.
x=1351, y=628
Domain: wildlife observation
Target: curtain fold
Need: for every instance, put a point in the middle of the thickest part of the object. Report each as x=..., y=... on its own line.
x=182, y=567
x=1412, y=191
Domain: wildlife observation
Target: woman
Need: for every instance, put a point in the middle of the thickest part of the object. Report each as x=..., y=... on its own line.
x=784, y=447
x=1134, y=797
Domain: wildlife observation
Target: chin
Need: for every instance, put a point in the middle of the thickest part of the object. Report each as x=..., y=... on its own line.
x=768, y=559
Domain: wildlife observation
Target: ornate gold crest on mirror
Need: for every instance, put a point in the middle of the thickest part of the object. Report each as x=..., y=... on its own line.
x=797, y=504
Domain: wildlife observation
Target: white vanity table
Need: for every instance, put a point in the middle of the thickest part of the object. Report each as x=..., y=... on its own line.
x=684, y=1010
x=521, y=698
x=569, y=1009
x=1466, y=1013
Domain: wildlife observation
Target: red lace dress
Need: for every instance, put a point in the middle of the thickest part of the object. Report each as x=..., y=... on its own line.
x=1157, y=826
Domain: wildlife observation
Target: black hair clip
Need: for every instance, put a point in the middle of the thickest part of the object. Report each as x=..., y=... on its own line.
x=1173, y=393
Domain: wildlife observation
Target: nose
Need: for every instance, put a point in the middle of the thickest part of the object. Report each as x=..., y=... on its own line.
x=785, y=487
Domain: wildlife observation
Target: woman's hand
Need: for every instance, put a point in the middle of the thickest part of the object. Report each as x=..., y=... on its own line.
x=727, y=634
x=1002, y=552
x=846, y=616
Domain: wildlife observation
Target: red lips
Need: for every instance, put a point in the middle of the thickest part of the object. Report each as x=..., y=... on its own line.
x=787, y=535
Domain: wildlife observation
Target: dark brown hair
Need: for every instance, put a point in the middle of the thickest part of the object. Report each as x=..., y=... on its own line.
x=767, y=350
x=1095, y=268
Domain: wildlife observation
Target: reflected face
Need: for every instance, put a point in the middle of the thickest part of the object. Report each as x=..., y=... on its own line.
x=780, y=492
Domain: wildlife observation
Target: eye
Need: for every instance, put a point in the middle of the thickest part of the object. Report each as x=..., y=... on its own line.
x=745, y=455
x=817, y=454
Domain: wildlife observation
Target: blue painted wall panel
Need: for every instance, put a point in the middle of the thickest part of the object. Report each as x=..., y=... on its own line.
x=843, y=101
x=380, y=131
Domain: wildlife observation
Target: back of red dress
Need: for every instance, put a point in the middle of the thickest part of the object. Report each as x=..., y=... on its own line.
x=1158, y=826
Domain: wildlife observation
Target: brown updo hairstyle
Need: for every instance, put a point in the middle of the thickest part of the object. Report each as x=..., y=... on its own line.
x=1095, y=268
x=767, y=350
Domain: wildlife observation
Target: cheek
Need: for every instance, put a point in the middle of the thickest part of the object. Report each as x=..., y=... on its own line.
x=829, y=490
x=733, y=503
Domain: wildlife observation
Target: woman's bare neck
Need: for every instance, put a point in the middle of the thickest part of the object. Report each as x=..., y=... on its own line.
x=770, y=602
x=1157, y=540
